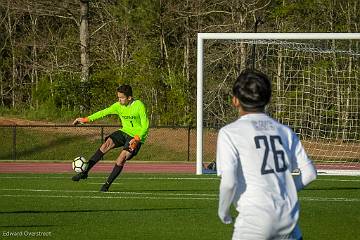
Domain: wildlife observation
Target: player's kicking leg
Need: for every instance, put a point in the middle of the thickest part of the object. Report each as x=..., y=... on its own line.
x=109, y=144
x=126, y=154
x=119, y=165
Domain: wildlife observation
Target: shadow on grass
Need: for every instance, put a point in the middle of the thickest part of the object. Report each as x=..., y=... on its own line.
x=40, y=148
x=28, y=226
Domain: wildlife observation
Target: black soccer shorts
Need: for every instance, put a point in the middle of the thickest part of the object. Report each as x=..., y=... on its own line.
x=122, y=139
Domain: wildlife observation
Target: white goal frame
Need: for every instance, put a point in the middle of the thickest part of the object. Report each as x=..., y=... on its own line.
x=201, y=37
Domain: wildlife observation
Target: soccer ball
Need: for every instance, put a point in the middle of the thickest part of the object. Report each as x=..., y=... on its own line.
x=79, y=164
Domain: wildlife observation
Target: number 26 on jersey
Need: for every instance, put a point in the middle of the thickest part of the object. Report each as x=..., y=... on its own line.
x=269, y=143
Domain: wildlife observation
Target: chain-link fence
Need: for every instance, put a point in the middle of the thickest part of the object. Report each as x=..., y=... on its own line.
x=65, y=142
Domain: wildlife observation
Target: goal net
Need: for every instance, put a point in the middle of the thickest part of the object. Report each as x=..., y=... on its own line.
x=316, y=90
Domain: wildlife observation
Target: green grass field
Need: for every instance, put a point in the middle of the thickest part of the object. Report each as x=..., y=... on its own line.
x=155, y=206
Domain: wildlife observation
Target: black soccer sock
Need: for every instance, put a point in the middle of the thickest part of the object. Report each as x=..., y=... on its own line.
x=114, y=174
x=94, y=159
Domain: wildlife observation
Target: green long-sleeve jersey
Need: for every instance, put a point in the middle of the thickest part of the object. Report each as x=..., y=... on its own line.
x=133, y=118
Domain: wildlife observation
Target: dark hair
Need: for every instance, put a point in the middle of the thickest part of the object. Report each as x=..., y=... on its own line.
x=125, y=89
x=253, y=89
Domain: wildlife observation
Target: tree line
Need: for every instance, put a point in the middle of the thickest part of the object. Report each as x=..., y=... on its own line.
x=69, y=56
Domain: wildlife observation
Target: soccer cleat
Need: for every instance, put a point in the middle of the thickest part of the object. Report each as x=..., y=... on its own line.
x=79, y=176
x=105, y=187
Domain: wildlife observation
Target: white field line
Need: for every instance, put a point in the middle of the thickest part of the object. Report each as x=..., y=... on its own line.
x=327, y=199
x=93, y=191
x=105, y=196
x=157, y=178
x=338, y=180
x=331, y=172
x=155, y=196
x=124, y=178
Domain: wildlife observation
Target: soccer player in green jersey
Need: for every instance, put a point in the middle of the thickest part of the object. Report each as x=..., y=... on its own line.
x=135, y=127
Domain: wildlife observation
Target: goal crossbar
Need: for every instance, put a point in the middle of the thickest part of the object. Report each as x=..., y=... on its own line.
x=243, y=36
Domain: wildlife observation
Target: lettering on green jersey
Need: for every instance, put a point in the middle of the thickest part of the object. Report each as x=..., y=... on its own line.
x=129, y=117
x=133, y=118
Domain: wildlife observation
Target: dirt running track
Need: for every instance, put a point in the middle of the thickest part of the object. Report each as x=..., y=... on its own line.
x=38, y=167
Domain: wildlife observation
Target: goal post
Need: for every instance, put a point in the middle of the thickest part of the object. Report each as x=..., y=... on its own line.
x=252, y=38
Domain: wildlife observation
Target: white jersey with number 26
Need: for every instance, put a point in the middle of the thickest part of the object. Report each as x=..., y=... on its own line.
x=255, y=158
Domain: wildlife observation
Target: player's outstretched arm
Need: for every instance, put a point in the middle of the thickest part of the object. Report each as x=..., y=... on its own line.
x=80, y=121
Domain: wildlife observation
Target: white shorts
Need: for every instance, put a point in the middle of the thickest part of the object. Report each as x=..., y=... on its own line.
x=265, y=223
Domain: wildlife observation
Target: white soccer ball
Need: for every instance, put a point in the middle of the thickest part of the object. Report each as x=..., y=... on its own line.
x=79, y=164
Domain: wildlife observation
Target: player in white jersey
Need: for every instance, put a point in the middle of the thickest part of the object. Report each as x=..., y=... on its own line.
x=255, y=159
